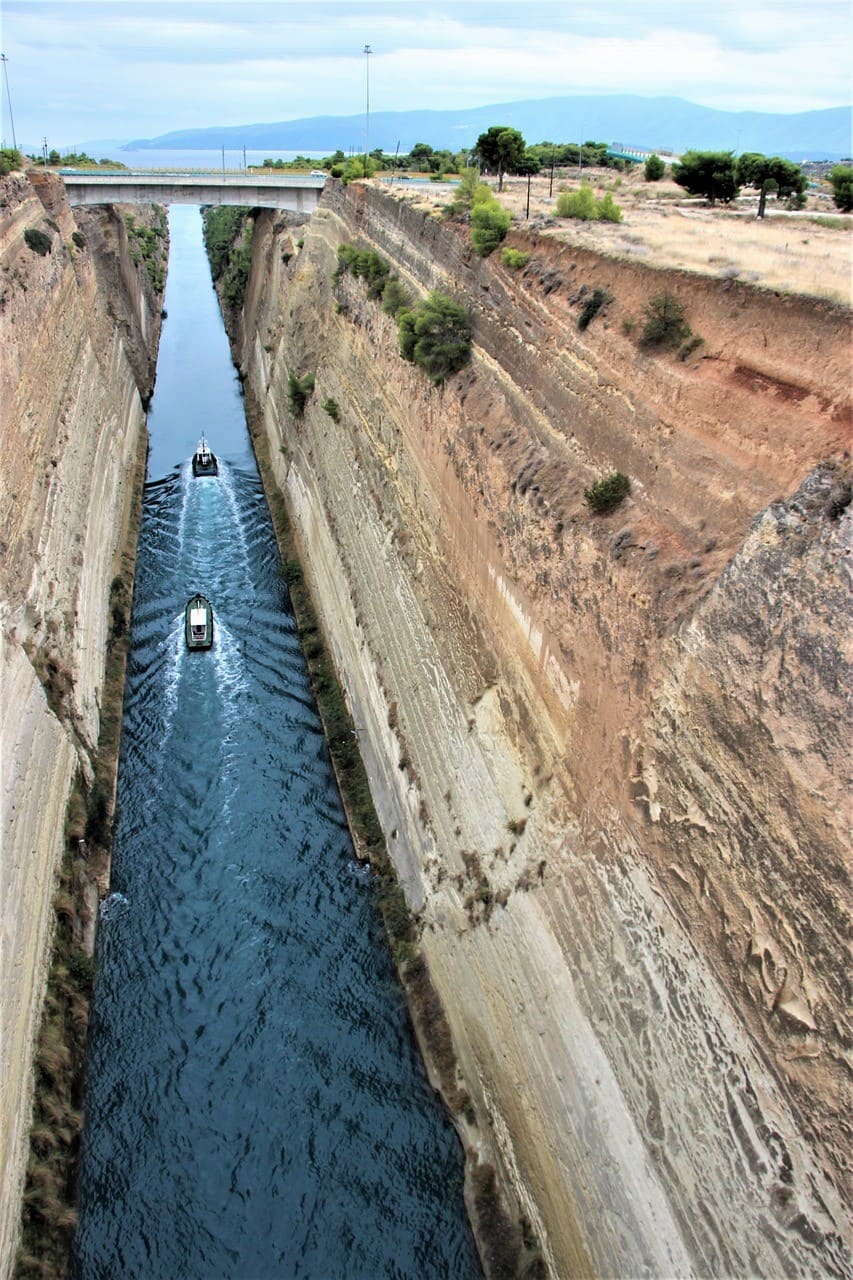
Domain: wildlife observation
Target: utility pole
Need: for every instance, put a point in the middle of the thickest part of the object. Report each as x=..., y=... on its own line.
x=223, y=162
x=4, y=60
x=367, y=53
x=44, y=150
x=551, y=183
x=527, y=215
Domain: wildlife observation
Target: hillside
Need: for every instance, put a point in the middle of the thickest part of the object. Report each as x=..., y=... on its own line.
x=672, y=124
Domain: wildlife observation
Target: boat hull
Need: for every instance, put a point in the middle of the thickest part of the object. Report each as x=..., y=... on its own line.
x=198, y=623
x=205, y=466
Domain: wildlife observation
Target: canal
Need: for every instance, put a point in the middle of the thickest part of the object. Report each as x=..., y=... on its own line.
x=256, y=1106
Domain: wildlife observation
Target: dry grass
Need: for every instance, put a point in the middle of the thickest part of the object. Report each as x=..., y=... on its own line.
x=791, y=253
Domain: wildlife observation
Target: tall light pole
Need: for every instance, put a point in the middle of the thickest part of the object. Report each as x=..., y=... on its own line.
x=4, y=60
x=367, y=53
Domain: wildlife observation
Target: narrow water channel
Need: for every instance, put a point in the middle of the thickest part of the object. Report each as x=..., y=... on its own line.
x=255, y=1104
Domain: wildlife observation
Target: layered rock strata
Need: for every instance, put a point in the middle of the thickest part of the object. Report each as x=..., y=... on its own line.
x=608, y=753
x=80, y=329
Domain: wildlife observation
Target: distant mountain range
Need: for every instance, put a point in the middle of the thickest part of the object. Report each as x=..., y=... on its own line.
x=671, y=124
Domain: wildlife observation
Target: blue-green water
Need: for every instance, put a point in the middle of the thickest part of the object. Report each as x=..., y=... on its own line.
x=255, y=1104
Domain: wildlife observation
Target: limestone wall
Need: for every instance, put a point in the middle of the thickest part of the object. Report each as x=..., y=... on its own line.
x=72, y=426
x=608, y=753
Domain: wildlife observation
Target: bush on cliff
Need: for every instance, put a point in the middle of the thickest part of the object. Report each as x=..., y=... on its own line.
x=10, y=158
x=298, y=391
x=489, y=224
x=39, y=241
x=436, y=336
x=665, y=325
x=606, y=494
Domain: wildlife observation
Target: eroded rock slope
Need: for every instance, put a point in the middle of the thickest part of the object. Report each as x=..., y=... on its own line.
x=608, y=753
x=80, y=328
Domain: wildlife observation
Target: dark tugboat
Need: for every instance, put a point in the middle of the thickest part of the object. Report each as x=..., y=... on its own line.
x=204, y=462
x=199, y=623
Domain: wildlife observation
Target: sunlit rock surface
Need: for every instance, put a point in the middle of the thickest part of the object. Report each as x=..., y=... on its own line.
x=608, y=753
x=72, y=430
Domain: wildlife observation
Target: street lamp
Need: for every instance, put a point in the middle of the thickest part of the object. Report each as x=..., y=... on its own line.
x=367, y=53
x=4, y=60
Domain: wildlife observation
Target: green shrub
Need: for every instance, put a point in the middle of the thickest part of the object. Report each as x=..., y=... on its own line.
x=583, y=206
x=514, y=258
x=654, y=169
x=579, y=204
x=298, y=391
x=665, y=325
x=366, y=263
x=222, y=227
x=331, y=407
x=79, y=239
x=436, y=336
x=470, y=191
x=406, y=335
x=10, y=158
x=841, y=178
x=336, y=171
x=607, y=493
x=489, y=224
x=592, y=306
x=607, y=210
x=39, y=241
x=394, y=297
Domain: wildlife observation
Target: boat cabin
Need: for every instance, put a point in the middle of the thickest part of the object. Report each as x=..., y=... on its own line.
x=199, y=623
x=204, y=461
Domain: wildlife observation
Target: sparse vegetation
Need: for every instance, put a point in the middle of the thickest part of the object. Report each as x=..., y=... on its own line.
x=332, y=408
x=39, y=241
x=79, y=239
x=606, y=494
x=228, y=232
x=147, y=247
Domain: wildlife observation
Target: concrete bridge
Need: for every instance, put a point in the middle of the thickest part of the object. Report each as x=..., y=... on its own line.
x=639, y=154
x=275, y=190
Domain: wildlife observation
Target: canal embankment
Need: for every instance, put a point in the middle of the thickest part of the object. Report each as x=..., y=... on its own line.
x=81, y=303
x=585, y=774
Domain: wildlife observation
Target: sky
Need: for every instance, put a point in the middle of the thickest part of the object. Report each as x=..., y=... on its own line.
x=81, y=70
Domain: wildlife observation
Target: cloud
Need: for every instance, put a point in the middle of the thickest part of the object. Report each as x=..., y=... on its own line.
x=83, y=68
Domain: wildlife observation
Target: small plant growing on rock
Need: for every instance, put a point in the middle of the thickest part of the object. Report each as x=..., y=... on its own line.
x=332, y=408
x=606, y=494
x=298, y=391
x=39, y=241
x=514, y=258
x=665, y=325
x=592, y=306
x=79, y=239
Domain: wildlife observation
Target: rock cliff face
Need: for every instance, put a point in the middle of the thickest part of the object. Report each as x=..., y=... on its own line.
x=607, y=752
x=80, y=331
